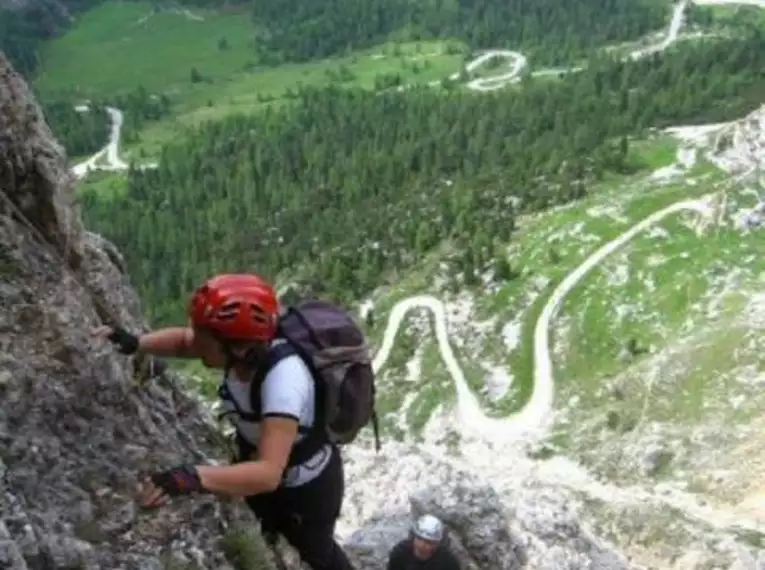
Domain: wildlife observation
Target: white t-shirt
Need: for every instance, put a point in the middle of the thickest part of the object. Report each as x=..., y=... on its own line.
x=287, y=391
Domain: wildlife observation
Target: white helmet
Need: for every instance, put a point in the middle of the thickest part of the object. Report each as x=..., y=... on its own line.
x=429, y=528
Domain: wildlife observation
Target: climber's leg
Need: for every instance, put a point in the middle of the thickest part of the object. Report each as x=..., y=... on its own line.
x=311, y=512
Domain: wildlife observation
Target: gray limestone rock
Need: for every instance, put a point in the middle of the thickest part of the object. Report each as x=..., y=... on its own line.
x=75, y=432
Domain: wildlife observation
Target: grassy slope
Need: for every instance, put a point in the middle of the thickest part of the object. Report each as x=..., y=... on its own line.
x=516, y=301
x=691, y=300
x=117, y=46
x=530, y=254
x=686, y=407
x=248, y=92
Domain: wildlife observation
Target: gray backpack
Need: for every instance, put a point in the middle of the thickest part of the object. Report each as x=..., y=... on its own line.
x=333, y=347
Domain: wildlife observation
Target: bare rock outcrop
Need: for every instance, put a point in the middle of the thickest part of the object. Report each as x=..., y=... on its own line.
x=75, y=432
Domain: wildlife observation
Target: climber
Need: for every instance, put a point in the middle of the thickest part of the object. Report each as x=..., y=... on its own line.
x=291, y=477
x=425, y=549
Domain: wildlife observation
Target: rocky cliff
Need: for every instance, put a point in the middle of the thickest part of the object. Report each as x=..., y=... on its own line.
x=75, y=431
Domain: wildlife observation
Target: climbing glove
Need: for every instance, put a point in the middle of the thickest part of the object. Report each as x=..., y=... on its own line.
x=125, y=342
x=180, y=480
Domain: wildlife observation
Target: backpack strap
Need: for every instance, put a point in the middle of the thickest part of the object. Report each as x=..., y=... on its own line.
x=376, y=429
x=315, y=436
x=275, y=355
x=225, y=394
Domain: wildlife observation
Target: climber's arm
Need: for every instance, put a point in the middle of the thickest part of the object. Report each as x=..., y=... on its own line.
x=396, y=559
x=285, y=392
x=173, y=342
x=254, y=477
x=452, y=562
x=240, y=480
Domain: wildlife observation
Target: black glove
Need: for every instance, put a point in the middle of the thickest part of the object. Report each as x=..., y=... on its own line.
x=180, y=480
x=125, y=342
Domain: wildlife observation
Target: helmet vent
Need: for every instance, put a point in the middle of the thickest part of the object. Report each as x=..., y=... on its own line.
x=259, y=315
x=228, y=311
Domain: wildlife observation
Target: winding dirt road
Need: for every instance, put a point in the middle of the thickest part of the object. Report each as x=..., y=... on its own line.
x=110, y=153
x=495, y=446
x=485, y=439
x=518, y=61
x=532, y=422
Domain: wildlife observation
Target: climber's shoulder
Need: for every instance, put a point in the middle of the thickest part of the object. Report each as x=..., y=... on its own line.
x=400, y=550
x=447, y=559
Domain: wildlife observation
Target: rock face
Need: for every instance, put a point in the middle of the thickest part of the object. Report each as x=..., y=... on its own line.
x=75, y=433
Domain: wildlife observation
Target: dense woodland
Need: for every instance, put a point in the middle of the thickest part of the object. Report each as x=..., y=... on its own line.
x=343, y=187
x=140, y=107
x=734, y=18
x=550, y=31
x=84, y=133
x=80, y=131
x=23, y=29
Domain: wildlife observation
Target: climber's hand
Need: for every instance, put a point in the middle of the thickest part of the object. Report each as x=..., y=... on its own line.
x=150, y=496
x=125, y=342
x=159, y=487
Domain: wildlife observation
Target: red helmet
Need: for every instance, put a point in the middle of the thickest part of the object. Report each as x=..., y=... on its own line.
x=236, y=307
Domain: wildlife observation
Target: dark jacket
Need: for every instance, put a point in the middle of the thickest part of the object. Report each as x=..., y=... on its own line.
x=402, y=558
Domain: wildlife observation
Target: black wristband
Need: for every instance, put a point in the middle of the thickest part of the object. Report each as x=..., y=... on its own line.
x=125, y=342
x=180, y=480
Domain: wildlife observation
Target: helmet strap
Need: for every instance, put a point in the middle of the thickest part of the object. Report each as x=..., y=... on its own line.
x=231, y=359
x=252, y=358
